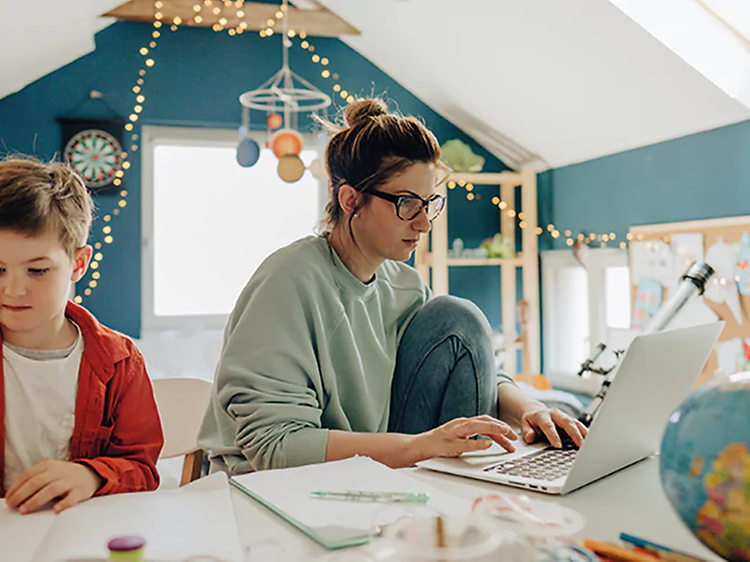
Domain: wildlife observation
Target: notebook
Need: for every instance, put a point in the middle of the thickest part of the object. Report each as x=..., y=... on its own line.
x=657, y=371
x=334, y=523
x=193, y=521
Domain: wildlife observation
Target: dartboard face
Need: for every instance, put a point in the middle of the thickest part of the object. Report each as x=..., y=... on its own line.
x=95, y=155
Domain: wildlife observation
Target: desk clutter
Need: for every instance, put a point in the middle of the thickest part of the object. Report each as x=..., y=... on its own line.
x=388, y=514
x=359, y=501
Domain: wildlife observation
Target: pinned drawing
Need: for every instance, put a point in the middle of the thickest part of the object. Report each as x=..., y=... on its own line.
x=687, y=248
x=723, y=287
x=647, y=301
x=734, y=355
x=742, y=264
x=652, y=259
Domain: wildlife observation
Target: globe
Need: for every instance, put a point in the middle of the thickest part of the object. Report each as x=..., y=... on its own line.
x=705, y=465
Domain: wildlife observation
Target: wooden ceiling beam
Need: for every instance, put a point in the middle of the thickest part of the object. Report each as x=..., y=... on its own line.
x=319, y=22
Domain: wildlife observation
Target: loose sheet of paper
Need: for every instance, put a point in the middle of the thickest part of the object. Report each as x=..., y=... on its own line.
x=289, y=490
x=20, y=535
x=196, y=520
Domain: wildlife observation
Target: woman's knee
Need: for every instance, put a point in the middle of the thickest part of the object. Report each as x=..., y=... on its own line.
x=459, y=316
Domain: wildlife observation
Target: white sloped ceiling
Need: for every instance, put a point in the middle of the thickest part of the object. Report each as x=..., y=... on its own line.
x=568, y=80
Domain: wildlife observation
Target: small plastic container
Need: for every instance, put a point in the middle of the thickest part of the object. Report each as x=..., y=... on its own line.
x=448, y=539
x=127, y=549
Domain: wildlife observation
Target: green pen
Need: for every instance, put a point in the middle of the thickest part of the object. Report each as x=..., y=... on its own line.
x=366, y=496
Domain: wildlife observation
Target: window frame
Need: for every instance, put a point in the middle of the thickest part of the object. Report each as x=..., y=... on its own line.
x=152, y=136
x=597, y=261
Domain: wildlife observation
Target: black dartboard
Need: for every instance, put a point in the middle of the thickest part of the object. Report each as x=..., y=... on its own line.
x=93, y=148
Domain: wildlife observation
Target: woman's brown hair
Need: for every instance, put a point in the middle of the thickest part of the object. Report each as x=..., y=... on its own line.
x=372, y=147
x=38, y=197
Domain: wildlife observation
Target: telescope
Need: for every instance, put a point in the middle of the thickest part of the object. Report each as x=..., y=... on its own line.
x=693, y=283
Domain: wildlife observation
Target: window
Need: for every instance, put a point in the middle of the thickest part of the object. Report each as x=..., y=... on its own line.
x=582, y=307
x=208, y=223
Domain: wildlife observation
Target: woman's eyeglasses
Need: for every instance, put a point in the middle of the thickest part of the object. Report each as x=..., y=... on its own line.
x=408, y=207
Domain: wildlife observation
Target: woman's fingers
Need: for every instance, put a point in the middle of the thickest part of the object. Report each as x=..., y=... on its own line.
x=541, y=421
x=575, y=429
x=486, y=426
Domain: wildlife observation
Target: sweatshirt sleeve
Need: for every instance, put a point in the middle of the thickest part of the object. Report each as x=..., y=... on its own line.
x=268, y=380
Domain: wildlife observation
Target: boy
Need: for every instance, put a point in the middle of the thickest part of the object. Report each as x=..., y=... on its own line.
x=77, y=412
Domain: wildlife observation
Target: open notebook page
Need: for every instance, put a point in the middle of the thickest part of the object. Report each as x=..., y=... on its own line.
x=195, y=520
x=288, y=490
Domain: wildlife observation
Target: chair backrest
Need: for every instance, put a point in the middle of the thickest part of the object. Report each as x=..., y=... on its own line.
x=182, y=402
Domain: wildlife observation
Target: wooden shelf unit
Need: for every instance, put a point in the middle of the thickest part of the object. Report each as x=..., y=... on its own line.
x=527, y=259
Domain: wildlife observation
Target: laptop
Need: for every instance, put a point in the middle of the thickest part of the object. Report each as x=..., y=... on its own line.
x=655, y=374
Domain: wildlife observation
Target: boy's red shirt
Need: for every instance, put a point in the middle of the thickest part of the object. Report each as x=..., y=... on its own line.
x=117, y=430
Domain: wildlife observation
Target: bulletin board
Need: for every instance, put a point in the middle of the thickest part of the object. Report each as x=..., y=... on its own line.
x=661, y=253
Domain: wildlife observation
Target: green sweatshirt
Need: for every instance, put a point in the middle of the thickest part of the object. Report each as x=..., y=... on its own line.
x=308, y=348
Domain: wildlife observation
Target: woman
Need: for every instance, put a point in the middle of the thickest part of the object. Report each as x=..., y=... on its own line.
x=335, y=347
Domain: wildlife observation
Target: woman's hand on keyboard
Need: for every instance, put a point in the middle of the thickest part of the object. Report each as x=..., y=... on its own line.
x=540, y=421
x=455, y=437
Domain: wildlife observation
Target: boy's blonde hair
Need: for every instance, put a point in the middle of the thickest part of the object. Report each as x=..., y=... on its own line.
x=38, y=197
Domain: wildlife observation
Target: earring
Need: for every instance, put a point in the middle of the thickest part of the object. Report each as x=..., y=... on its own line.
x=355, y=215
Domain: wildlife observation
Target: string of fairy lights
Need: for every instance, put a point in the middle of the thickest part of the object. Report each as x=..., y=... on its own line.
x=603, y=239
x=93, y=276
x=229, y=17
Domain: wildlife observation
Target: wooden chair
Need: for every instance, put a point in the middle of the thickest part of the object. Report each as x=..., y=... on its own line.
x=182, y=402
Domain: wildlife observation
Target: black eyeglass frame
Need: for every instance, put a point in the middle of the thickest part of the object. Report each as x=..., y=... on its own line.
x=397, y=202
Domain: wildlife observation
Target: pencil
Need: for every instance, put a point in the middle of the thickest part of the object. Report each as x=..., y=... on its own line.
x=662, y=552
x=614, y=552
x=439, y=532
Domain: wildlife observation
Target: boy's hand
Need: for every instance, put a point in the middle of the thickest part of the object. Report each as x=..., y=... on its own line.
x=62, y=482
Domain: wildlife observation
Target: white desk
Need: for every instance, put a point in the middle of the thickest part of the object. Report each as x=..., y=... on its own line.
x=629, y=501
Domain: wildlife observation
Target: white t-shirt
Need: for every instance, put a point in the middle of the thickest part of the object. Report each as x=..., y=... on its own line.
x=40, y=401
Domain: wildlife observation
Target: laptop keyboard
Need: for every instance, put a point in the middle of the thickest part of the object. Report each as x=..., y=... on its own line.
x=547, y=464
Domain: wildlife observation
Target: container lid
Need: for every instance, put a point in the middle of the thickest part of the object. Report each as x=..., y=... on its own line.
x=126, y=543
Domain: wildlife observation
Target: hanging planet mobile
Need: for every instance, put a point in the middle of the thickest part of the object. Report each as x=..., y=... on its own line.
x=95, y=155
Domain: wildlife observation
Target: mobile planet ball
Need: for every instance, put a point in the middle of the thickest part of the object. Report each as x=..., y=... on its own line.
x=248, y=152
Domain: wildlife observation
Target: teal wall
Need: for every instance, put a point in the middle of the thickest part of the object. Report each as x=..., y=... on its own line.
x=196, y=82
x=700, y=176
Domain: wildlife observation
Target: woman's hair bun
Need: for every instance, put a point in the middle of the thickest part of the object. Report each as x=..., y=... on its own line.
x=363, y=109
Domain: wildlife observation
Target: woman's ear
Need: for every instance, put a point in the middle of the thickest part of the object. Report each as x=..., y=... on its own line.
x=81, y=262
x=349, y=199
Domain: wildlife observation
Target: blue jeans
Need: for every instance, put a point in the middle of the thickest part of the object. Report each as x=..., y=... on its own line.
x=445, y=367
